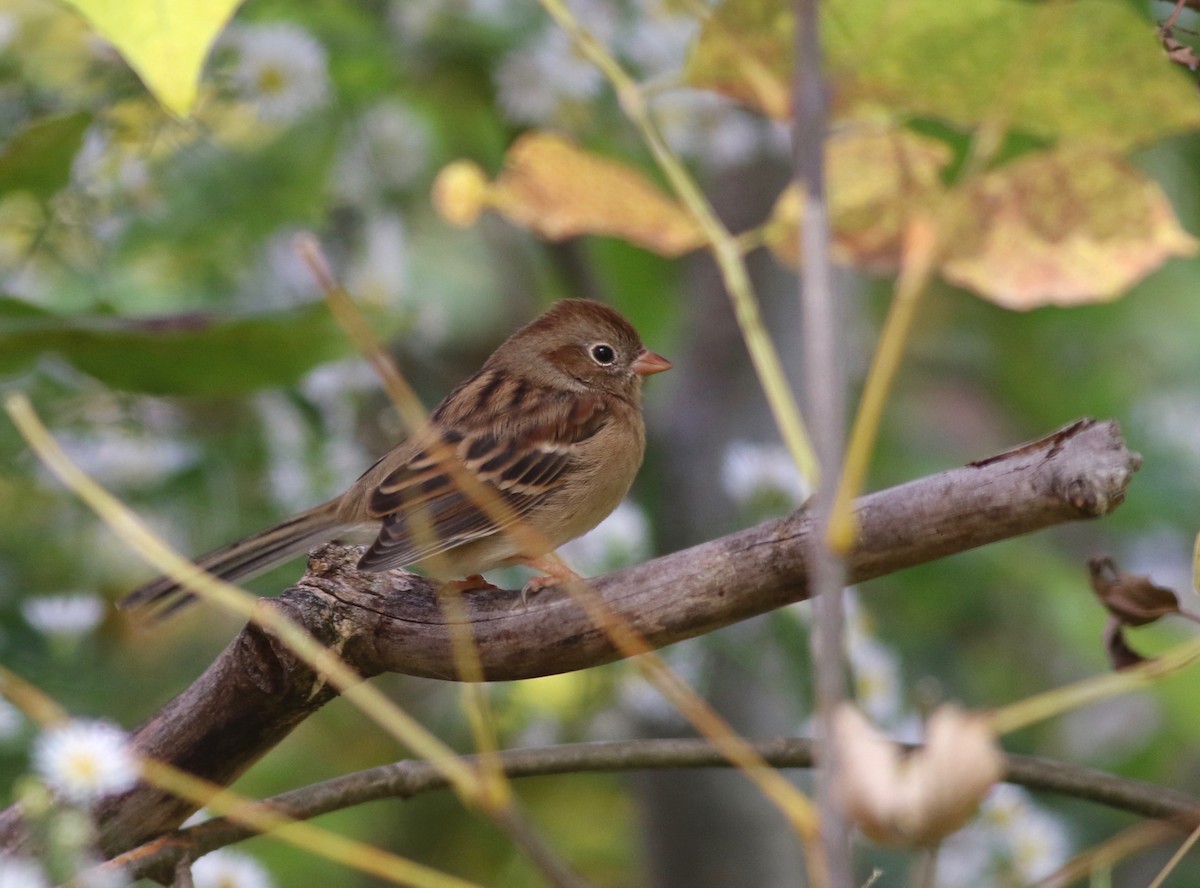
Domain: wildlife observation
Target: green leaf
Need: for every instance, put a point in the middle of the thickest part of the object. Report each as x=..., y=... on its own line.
x=165, y=43
x=1045, y=69
x=181, y=354
x=38, y=159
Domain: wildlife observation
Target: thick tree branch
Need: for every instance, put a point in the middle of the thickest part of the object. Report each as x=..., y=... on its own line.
x=406, y=779
x=256, y=691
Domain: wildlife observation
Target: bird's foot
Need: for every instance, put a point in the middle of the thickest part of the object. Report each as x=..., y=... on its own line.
x=555, y=574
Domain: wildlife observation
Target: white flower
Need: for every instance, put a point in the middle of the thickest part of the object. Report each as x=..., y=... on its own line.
x=966, y=858
x=389, y=148
x=230, y=869
x=876, y=679
x=657, y=42
x=10, y=720
x=710, y=127
x=750, y=471
x=379, y=273
x=620, y=539
x=285, y=434
x=281, y=70
x=1012, y=841
x=85, y=760
x=1039, y=844
x=121, y=459
x=64, y=616
x=21, y=872
x=534, y=79
x=10, y=29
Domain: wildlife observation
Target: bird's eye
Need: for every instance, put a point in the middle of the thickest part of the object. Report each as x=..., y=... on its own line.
x=603, y=354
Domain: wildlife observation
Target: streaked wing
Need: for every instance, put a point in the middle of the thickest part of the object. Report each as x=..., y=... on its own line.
x=520, y=461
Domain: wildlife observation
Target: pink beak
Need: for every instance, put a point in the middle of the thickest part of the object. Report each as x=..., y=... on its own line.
x=648, y=363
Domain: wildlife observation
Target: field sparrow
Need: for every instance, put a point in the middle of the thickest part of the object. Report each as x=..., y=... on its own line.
x=551, y=426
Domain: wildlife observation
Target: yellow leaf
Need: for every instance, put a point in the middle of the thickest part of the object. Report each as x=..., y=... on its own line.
x=165, y=43
x=554, y=188
x=745, y=51
x=876, y=179
x=1060, y=227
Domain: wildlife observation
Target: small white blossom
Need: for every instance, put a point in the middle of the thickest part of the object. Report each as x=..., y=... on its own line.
x=121, y=459
x=10, y=29
x=657, y=42
x=281, y=70
x=1039, y=844
x=534, y=79
x=285, y=434
x=230, y=869
x=85, y=760
x=876, y=672
x=750, y=471
x=1012, y=841
x=389, y=148
x=22, y=872
x=10, y=721
x=620, y=539
x=379, y=272
x=64, y=616
x=711, y=128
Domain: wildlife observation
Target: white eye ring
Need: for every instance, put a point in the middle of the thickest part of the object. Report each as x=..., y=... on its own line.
x=603, y=354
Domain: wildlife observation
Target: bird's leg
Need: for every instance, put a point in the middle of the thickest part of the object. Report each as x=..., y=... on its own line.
x=556, y=574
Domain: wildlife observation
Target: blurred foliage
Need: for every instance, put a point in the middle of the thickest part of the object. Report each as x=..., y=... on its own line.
x=154, y=311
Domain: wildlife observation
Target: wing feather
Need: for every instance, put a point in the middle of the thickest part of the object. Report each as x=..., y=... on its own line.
x=520, y=458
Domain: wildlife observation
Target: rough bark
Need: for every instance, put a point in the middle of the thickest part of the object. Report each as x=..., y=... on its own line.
x=256, y=691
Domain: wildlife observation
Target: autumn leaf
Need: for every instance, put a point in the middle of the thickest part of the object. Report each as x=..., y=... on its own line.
x=1130, y=598
x=558, y=190
x=1060, y=227
x=745, y=51
x=165, y=43
x=920, y=798
x=1044, y=69
x=1120, y=654
x=875, y=178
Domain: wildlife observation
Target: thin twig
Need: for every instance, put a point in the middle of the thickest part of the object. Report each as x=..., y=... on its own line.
x=406, y=779
x=825, y=385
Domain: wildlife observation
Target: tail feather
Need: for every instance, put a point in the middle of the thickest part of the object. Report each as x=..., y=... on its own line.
x=241, y=560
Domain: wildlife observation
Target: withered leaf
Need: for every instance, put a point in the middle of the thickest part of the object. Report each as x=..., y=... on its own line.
x=558, y=190
x=1131, y=599
x=1120, y=654
x=1064, y=226
x=920, y=798
x=876, y=178
x=745, y=51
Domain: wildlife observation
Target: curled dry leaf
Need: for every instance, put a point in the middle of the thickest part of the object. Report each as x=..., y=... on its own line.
x=556, y=189
x=920, y=798
x=745, y=51
x=1120, y=654
x=876, y=179
x=1130, y=598
x=1060, y=227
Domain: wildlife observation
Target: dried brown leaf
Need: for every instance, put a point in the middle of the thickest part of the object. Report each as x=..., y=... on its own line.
x=921, y=798
x=1064, y=226
x=1120, y=654
x=1130, y=598
x=552, y=187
